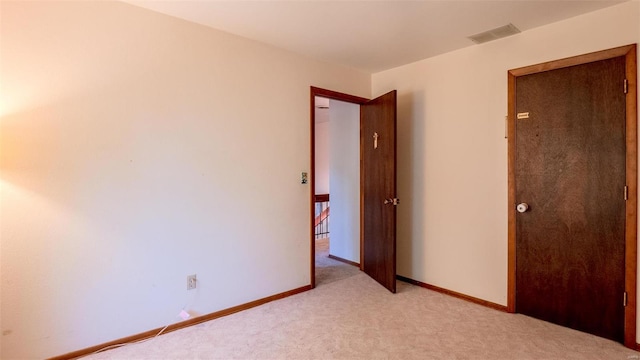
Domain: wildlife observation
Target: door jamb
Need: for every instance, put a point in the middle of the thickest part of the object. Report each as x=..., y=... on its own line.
x=334, y=95
x=631, y=205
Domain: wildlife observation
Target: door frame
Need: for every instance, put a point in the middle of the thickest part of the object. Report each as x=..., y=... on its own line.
x=631, y=170
x=334, y=95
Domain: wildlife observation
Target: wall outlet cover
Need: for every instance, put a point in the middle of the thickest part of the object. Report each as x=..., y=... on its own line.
x=192, y=282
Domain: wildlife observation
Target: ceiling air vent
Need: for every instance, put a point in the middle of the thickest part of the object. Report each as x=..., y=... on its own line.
x=494, y=34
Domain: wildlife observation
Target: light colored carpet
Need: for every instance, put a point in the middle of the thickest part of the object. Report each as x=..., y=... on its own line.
x=329, y=270
x=355, y=318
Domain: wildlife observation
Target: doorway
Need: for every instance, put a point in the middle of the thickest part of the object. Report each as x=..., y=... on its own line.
x=378, y=193
x=337, y=189
x=572, y=127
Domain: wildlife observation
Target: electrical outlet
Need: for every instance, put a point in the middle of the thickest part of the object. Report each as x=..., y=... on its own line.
x=191, y=282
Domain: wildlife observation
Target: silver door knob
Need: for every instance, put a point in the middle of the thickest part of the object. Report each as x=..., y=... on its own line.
x=522, y=207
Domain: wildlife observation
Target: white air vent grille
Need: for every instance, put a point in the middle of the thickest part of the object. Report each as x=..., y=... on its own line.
x=497, y=33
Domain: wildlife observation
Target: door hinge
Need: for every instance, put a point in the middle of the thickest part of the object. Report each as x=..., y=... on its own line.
x=626, y=86
x=626, y=193
x=624, y=299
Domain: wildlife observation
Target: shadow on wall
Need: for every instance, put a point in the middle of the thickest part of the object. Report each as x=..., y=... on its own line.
x=411, y=151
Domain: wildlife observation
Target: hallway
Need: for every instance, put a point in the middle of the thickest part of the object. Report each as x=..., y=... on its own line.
x=329, y=270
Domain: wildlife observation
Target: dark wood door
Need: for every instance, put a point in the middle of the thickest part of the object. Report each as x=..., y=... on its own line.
x=378, y=176
x=570, y=170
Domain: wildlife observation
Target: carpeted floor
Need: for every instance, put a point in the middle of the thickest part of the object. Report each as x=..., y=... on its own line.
x=329, y=270
x=350, y=316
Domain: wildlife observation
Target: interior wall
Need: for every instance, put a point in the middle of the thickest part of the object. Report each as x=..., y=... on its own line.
x=322, y=153
x=344, y=179
x=137, y=149
x=452, y=151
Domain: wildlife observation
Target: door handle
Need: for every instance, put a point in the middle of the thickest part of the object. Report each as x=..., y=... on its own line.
x=393, y=201
x=522, y=207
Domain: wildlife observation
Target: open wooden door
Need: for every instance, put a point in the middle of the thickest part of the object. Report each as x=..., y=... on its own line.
x=378, y=189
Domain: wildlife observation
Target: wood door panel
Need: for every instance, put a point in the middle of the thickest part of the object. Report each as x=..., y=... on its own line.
x=379, y=183
x=570, y=169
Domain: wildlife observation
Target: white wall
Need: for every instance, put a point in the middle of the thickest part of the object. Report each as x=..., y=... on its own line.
x=452, y=154
x=135, y=149
x=344, y=177
x=322, y=154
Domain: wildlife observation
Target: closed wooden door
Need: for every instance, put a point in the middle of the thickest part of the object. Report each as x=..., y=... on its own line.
x=378, y=156
x=570, y=187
